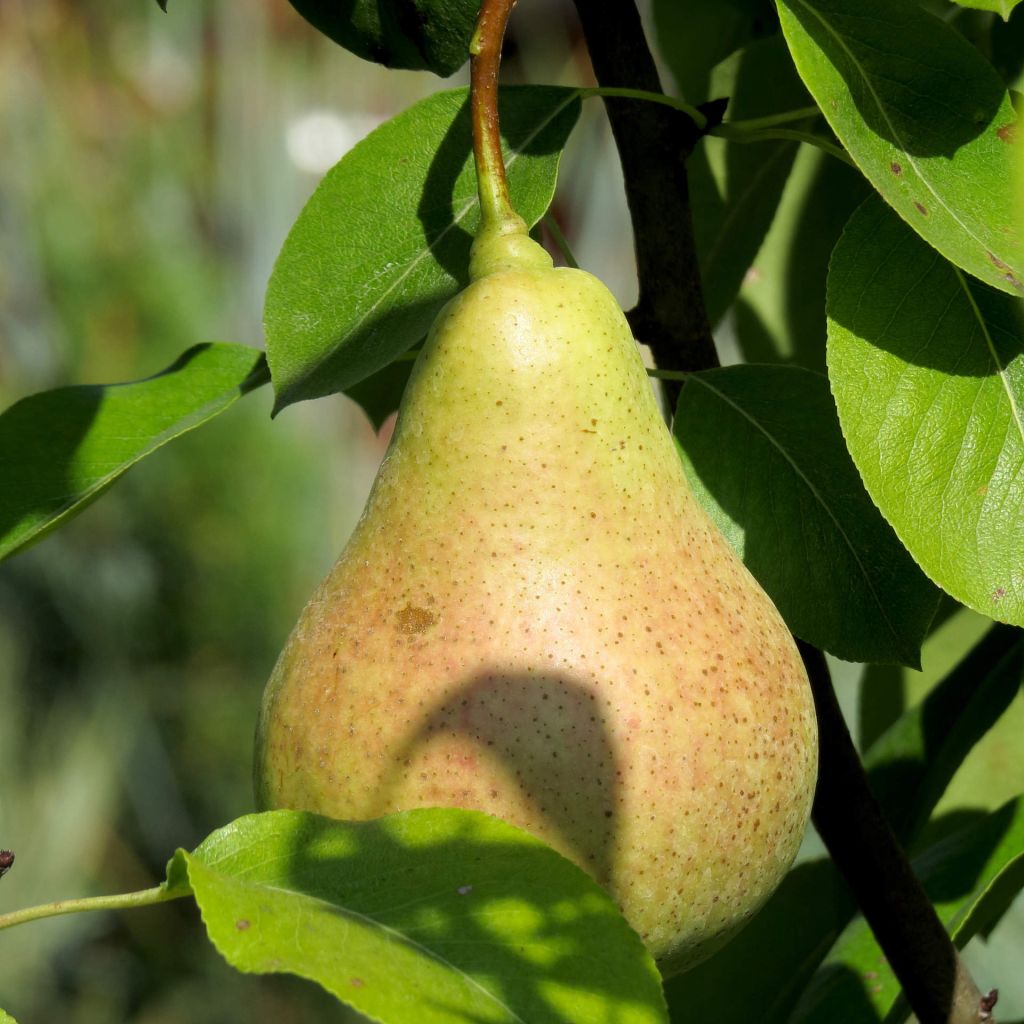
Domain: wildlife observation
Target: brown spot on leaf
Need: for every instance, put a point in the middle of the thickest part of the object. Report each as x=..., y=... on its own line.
x=242, y=924
x=1009, y=274
x=895, y=168
x=1008, y=132
x=415, y=620
x=921, y=209
x=999, y=593
x=357, y=982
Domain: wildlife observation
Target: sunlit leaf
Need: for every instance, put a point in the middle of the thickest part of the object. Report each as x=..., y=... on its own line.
x=927, y=368
x=426, y=917
x=911, y=763
x=970, y=876
x=925, y=117
x=1004, y=8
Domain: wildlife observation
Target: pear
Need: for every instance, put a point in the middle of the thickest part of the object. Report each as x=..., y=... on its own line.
x=534, y=618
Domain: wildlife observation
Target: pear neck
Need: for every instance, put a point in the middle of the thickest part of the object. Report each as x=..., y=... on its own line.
x=505, y=246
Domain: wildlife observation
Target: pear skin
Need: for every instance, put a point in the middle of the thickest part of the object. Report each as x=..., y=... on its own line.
x=534, y=618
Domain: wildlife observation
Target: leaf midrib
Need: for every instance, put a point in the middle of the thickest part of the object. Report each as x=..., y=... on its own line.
x=1000, y=369
x=399, y=936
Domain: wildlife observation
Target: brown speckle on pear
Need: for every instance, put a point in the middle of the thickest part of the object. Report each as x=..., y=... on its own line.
x=594, y=663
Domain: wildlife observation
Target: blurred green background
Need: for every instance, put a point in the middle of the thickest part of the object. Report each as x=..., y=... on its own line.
x=153, y=164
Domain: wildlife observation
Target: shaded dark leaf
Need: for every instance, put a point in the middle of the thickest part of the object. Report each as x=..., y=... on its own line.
x=59, y=450
x=430, y=35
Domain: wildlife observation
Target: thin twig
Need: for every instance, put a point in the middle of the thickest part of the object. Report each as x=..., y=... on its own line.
x=561, y=242
x=727, y=131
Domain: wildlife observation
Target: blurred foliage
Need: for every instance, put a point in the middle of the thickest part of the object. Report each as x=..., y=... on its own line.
x=155, y=177
x=155, y=163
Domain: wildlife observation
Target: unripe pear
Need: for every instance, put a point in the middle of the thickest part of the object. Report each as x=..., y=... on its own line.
x=534, y=618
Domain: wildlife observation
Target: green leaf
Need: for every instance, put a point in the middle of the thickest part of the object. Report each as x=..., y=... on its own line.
x=762, y=448
x=778, y=315
x=913, y=761
x=1007, y=44
x=427, y=916
x=695, y=35
x=6, y=1018
x=760, y=974
x=1001, y=7
x=384, y=241
x=735, y=187
x=767, y=966
x=431, y=35
x=925, y=117
x=927, y=367
x=59, y=450
x=971, y=877
x=380, y=394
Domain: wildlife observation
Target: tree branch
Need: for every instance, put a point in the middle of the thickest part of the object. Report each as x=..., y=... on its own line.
x=653, y=143
x=865, y=849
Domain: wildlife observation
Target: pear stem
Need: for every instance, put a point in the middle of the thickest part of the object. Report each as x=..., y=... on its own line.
x=122, y=901
x=496, y=213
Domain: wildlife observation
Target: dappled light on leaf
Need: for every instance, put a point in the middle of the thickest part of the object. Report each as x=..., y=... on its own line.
x=426, y=916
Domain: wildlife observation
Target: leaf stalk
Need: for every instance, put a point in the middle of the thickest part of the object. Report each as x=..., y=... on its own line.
x=122, y=901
